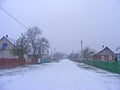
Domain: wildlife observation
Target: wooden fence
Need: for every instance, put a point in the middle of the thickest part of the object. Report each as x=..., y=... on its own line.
x=6, y=63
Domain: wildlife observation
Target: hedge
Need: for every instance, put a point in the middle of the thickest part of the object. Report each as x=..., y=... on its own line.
x=110, y=66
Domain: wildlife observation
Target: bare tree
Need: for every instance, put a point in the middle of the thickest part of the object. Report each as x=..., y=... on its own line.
x=33, y=42
x=21, y=47
x=33, y=34
x=87, y=53
x=43, y=46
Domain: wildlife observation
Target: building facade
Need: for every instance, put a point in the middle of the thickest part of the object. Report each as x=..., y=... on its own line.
x=6, y=45
x=105, y=55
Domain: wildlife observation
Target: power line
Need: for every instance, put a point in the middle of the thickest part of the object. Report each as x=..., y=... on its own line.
x=13, y=17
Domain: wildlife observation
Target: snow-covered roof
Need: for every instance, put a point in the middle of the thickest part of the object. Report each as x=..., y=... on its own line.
x=105, y=51
x=117, y=51
x=11, y=40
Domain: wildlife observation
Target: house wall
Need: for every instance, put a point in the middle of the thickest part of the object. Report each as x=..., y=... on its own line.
x=4, y=40
x=113, y=58
x=96, y=57
x=118, y=56
x=106, y=58
x=6, y=53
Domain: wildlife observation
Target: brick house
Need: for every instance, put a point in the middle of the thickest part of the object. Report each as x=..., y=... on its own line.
x=6, y=45
x=105, y=55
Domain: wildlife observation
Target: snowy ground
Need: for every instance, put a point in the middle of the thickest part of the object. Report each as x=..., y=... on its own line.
x=64, y=75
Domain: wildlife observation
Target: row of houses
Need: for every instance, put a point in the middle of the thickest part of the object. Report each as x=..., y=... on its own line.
x=6, y=45
x=106, y=55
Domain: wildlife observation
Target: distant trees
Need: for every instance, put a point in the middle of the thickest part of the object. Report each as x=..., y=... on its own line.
x=59, y=55
x=74, y=56
x=86, y=54
x=32, y=42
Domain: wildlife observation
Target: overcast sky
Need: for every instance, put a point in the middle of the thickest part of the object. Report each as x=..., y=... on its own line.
x=65, y=22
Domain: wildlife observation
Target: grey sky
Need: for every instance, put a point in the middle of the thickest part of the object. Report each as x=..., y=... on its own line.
x=66, y=22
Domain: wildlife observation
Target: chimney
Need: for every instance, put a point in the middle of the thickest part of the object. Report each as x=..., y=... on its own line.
x=6, y=36
x=103, y=46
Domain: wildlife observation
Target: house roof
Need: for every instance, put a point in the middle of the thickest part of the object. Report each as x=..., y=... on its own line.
x=117, y=51
x=12, y=41
x=105, y=51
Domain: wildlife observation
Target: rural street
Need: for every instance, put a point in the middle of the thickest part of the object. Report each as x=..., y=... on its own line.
x=63, y=75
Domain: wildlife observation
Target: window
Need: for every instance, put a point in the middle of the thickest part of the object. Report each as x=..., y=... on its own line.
x=110, y=57
x=102, y=58
x=4, y=46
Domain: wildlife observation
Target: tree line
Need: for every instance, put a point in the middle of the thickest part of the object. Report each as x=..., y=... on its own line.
x=85, y=54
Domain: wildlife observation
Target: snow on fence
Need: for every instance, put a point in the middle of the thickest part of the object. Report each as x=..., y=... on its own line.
x=5, y=63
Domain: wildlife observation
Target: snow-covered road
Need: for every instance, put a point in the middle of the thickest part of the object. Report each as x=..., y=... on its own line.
x=64, y=75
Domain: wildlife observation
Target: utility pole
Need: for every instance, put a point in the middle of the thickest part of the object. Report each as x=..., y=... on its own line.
x=54, y=52
x=81, y=45
x=81, y=50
